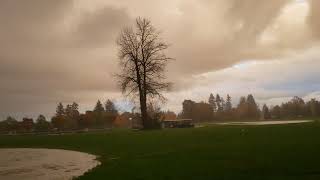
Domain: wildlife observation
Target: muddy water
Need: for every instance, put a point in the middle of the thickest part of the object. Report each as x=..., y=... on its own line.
x=257, y=123
x=44, y=164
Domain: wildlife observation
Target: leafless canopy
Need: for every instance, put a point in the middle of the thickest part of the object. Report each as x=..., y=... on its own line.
x=143, y=61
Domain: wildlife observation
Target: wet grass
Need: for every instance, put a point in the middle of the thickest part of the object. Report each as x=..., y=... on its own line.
x=277, y=152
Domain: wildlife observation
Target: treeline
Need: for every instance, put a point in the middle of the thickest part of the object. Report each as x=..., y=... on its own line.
x=66, y=118
x=26, y=125
x=69, y=118
x=218, y=108
x=294, y=109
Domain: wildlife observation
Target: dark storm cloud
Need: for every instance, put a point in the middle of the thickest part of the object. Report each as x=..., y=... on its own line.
x=44, y=61
x=101, y=27
x=37, y=49
x=30, y=23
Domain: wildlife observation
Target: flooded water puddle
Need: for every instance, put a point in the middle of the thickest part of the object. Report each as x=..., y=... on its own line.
x=257, y=123
x=44, y=164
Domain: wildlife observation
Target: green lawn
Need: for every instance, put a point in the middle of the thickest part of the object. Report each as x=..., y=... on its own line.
x=219, y=152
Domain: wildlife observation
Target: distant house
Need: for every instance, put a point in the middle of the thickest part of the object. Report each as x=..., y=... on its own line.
x=128, y=120
x=169, y=116
x=123, y=120
x=27, y=124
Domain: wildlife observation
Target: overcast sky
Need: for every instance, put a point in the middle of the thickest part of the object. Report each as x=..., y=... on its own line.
x=63, y=51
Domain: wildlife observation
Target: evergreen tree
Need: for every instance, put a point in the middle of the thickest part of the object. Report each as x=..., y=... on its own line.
x=265, y=112
x=111, y=113
x=212, y=103
x=75, y=109
x=242, y=108
x=242, y=101
x=228, y=103
x=11, y=124
x=99, y=114
x=219, y=103
x=59, y=120
x=223, y=105
x=60, y=110
x=110, y=107
x=253, y=110
x=68, y=111
x=98, y=108
x=41, y=118
x=72, y=116
x=42, y=124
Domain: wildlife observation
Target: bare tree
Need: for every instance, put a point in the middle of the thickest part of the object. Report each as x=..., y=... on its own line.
x=143, y=61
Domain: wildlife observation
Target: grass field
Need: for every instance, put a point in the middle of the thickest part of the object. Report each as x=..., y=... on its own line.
x=277, y=152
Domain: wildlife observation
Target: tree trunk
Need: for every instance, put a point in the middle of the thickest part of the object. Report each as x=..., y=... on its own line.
x=144, y=114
